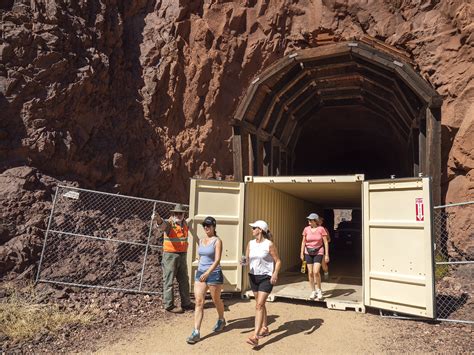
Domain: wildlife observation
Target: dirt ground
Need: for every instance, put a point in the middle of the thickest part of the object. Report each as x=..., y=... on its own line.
x=295, y=327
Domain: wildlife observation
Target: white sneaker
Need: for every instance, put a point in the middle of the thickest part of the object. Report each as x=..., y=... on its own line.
x=313, y=295
x=319, y=294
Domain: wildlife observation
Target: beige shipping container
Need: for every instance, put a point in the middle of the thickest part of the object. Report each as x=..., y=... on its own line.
x=391, y=269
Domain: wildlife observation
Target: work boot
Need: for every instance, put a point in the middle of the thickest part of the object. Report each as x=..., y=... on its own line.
x=174, y=309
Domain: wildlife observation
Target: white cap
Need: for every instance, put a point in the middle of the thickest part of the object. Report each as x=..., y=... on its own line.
x=312, y=216
x=260, y=224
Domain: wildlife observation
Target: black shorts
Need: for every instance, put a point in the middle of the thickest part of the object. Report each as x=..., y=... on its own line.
x=313, y=259
x=260, y=283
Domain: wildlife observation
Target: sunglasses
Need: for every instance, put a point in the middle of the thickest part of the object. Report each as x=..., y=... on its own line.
x=253, y=228
x=206, y=226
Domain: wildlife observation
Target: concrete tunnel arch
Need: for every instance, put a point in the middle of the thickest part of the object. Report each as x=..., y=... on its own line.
x=356, y=107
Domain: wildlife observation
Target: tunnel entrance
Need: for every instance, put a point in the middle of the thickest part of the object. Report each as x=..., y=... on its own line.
x=344, y=140
x=342, y=108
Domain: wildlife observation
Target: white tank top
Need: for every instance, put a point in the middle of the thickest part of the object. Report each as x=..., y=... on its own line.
x=260, y=259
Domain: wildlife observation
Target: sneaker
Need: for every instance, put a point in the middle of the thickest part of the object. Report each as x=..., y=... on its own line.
x=220, y=324
x=319, y=294
x=326, y=276
x=194, y=337
x=312, y=296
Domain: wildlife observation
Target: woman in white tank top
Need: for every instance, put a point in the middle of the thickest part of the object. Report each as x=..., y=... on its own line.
x=264, y=264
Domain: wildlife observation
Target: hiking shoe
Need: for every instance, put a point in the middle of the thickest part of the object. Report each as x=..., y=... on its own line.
x=194, y=337
x=326, y=276
x=319, y=294
x=312, y=296
x=220, y=324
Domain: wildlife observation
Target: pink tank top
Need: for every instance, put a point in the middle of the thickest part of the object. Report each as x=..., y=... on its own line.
x=314, y=239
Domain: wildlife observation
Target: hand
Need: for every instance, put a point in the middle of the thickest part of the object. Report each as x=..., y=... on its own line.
x=204, y=277
x=274, y=279
x=302, y=257
x=326, y=258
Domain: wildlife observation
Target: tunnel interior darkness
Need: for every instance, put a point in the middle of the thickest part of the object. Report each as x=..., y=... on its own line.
x=347, y=140
x=342, y=108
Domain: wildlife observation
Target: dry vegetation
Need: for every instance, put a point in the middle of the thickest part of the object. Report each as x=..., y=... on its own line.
x=24, y=315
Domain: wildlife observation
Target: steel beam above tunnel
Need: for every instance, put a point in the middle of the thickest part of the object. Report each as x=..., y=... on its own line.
x=287, y=96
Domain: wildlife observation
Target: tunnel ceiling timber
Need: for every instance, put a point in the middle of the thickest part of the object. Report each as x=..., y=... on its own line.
x=290, y=92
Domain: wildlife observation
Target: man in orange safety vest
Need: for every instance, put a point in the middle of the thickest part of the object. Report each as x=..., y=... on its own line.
x=175, y=247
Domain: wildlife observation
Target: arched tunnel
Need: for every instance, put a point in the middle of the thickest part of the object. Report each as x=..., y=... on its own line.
x=343, y=108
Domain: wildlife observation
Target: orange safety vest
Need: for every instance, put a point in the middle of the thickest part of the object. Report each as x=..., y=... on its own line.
x=176, y=241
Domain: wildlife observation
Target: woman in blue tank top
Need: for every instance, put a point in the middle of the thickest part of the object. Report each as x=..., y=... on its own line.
x=208, y=276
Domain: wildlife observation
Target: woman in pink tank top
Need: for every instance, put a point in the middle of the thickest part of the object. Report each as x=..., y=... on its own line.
x=314, y=247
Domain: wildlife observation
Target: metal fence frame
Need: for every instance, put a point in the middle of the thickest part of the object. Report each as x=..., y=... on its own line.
x=146, y=245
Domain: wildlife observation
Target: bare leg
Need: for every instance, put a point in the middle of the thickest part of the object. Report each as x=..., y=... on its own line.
x=311, y=276
x=260, y=312
x=216, y=298
x=200, y=289
x=264, y=323
x=317, y=275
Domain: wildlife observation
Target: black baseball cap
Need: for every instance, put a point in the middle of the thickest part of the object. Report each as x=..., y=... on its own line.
x=209, y=221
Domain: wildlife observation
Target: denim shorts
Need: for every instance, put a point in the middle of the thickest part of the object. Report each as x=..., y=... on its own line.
x=214, y=278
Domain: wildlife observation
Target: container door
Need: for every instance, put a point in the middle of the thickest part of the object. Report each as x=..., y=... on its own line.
x=223, y=200
x=398, y=246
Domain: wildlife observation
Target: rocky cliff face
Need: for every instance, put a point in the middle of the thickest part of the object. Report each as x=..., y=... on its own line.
x=136, y=96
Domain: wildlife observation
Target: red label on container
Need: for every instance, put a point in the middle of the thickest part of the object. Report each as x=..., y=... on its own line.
x=420, y=209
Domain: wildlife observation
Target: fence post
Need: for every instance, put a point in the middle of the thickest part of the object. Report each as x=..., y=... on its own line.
x=147, y=246
x=46, y=235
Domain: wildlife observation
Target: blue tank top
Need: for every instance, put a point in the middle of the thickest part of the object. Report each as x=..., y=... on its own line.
x=207, y=255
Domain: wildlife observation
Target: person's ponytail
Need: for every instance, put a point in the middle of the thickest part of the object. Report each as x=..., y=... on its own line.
x=268, y=235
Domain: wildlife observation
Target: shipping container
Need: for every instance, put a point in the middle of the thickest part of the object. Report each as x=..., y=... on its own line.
x=391, y=268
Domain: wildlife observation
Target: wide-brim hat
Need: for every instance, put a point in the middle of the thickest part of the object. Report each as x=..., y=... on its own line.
x=179, y=208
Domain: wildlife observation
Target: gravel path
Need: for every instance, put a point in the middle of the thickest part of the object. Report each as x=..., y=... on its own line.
x=296, y=328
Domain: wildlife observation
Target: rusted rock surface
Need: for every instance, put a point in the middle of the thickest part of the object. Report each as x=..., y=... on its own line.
x=136, y=97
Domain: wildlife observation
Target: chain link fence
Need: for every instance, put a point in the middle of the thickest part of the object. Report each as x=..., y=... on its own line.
x=454, y=261
x=103, y=240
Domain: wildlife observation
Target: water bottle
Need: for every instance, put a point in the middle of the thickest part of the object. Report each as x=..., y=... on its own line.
x=303, y=267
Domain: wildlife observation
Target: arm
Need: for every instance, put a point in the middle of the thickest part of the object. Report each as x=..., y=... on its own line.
x=161, y=223
x=276, y=258
x=329, y=236
x=217, y=260
x=247, y=254
x=303, y=243
x=326, y=248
